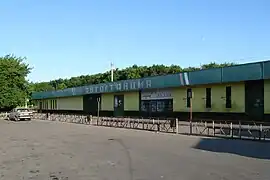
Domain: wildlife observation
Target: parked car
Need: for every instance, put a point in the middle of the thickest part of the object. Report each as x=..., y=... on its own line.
x=18, y=114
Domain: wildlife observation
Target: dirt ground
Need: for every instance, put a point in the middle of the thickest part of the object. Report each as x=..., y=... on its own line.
x=46, y=150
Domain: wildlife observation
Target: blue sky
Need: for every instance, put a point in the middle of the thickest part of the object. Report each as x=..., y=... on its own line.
x=61, y=39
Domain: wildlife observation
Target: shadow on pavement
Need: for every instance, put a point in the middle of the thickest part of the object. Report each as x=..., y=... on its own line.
x=259, y=150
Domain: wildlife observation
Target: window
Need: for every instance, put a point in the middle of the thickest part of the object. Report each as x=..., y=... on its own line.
x=46, y=104
x=208, y=98
x=23, y=110
x=169, y=105
x=144, y=106
x=161, y=105
x=153, y=106
x=51, y=104
x=228, y=97
x=189, y=96
x=55, y=104
x=40, y=105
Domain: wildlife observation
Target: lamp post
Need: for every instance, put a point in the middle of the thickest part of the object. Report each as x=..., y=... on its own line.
x=112, y=68
x=190, y=96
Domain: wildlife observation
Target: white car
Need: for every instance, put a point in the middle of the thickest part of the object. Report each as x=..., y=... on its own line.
x=18, y=114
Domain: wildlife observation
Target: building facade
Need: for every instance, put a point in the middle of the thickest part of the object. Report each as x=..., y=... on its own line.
x=240, y=92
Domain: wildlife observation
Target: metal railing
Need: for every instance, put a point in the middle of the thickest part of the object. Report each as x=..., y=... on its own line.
x=224, y=129
x=3, y=115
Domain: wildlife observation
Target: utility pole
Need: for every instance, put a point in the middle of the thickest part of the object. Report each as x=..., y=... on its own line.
x=112, y=69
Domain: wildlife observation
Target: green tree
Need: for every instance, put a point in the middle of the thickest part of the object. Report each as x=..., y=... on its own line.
x=14, y=88
x=42, y=86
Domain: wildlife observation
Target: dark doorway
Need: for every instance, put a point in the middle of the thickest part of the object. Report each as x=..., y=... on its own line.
x=40, y=106
x=254, y=100
x=91, y=103
x=118, y=105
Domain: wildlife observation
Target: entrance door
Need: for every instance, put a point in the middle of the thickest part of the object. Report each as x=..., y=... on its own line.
x=118, y=105
x=254, y=99
x=91, y=104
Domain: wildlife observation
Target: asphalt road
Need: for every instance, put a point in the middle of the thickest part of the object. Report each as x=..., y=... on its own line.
x=45, y=150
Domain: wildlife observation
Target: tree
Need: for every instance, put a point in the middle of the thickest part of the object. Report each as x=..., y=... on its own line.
x=14, y=88
x=42, y=86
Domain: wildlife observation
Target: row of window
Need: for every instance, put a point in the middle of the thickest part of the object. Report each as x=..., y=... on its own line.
x=53, y=104
x=43, y=104
x=46, y=105
x=208, y=99
x=164, y=105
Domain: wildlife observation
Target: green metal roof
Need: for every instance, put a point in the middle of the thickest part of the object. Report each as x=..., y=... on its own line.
x=237, y=73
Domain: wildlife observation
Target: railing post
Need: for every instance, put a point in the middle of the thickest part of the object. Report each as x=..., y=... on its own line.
x=261, y=130
x=196, y=125
x=231, y=130
x=207, y=129
x=90, y=119
x=176, y=121
x=190, y=127
x=240, y=129
x=214, y=131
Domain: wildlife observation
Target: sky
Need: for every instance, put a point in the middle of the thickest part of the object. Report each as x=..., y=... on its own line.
x=63, y=39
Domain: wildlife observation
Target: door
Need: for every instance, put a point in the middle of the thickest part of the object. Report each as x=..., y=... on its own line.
x=40, y=106
x=118, y=105
x=254, y=100
x=91, y=104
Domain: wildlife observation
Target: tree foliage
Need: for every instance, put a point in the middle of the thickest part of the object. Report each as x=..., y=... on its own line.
x=119, y=74
x=14, y=88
